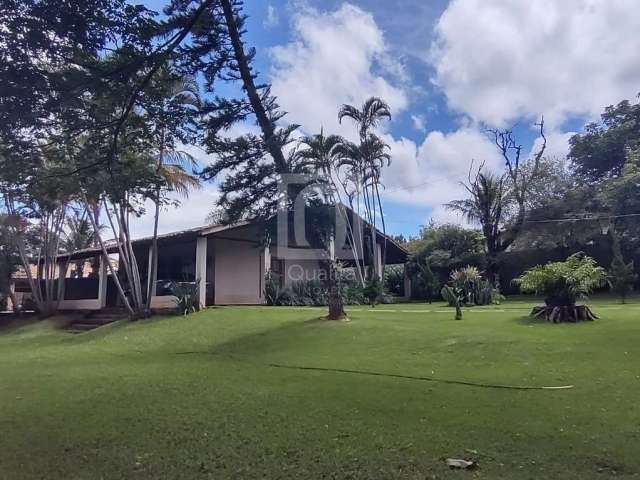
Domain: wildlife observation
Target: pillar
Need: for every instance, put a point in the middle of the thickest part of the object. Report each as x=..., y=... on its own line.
x=407, y=283
x=265, y=268
x=102, y=282
x=201, y=269
x=152, y=271
x=377, y=261
x=61, y=277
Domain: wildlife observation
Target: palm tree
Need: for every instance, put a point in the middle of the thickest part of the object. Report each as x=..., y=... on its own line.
x=176, y=94
x=321, y=154
x=368, y=116
x=488, y=205
x=79, y=235
x=364, y=162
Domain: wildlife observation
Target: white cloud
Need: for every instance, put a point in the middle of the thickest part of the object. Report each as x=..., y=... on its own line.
x=340, y=57
x=419, y=122
x=272, y=19
x=557, y=145
x=192, y=212
x=501, y=60
x=430, y=174
x=333, y=58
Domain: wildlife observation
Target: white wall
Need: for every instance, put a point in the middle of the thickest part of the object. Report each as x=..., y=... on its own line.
x=239, y=272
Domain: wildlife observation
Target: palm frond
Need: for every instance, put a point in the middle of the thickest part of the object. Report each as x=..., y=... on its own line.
x=176, y=179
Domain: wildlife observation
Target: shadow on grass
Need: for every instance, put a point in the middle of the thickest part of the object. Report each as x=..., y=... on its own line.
x=283, y=337
x=10, y=322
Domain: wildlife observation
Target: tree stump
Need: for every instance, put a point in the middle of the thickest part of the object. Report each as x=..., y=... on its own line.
x=564, y=313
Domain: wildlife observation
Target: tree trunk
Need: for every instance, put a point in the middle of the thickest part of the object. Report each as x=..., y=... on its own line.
x=334, y=297
x=151, y=273
x=14, y=302
x=564, y=313
x=266, y=125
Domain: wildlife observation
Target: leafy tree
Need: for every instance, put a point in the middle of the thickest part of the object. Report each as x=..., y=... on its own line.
x=621, y=195
x=37, y=201
x=499, y=203
x=443, y=248
x=9, y=259
x=601, y=151
x=621, y=274
x=428, y=280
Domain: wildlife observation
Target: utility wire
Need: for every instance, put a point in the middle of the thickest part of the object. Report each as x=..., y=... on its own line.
x=554, y=220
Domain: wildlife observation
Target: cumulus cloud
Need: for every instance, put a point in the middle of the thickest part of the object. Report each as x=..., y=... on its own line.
x=272, y=19
x=191, y=212
x=341, y=57
x=333, y=58
x=419, y=122
x=429, y=174
x=498, y=61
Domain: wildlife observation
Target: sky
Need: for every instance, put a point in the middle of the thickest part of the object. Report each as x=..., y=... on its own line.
x=449, y=70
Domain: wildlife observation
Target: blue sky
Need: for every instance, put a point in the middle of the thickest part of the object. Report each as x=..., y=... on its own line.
x=449, y=70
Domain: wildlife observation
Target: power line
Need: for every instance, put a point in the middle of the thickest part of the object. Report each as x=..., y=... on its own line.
x=583, y=219
x=548, y=220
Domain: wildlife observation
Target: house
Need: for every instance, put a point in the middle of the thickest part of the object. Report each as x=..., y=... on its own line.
x=230, y=261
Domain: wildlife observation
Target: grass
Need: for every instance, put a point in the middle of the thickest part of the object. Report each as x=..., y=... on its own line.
x=195, y=397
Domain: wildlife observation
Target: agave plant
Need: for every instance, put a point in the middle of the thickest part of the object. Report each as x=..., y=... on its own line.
x=465, y=280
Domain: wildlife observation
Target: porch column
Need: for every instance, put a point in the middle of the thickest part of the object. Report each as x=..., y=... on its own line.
x=407, y=283
x=102, y=282
x=264, y=270
x=332, y=248
x=62, y=275
x=377, y=261
x=152, y=271
x=201, y=269
x=12, y=296
x=266, y=253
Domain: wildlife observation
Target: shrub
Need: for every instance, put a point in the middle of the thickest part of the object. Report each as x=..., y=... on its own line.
x=465, y=280
x=373, y=290
x=474, y=289
x=394, y=279
x=187, y=296
x=562, y=283
x=314, y=292
x=454, y=297
x=622, y=277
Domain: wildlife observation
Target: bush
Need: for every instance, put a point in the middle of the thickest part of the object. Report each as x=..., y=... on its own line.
x=622, y=277
x=314, y=293
x=187, y=296
x=474, y=289
x=454, y=297
x=394, y=279
x=373, y=290
x=562, y=283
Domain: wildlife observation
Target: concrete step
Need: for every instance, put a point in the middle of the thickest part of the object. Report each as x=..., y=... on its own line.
x=82, y=327
x=102, y=320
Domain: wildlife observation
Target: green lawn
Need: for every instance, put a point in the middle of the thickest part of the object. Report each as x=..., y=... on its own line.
x=195, y=397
